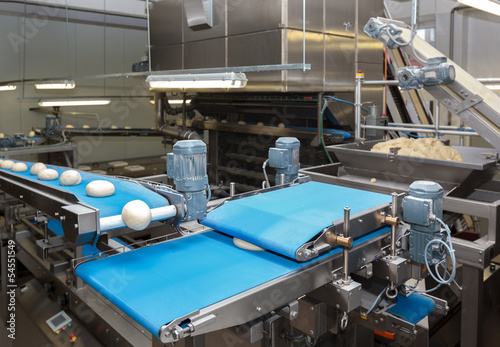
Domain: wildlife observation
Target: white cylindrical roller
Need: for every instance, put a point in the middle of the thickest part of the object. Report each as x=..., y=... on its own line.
x=160, y=213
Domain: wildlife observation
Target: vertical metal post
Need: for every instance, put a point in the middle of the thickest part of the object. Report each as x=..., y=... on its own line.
x=414, y=13
x=149, y=35
x=184, y=115
x=471, y=333
x=319, y=120
x=304, y=35
x=436, y=118
x=282, y=179
x=357, y=108
x=232, y=189
x=347, y=226
x=394, y=211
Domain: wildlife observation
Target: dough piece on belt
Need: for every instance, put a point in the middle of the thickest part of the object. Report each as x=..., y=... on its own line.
x=136, y=215
x=100, y=189
x=47, y=175
x=70, y=178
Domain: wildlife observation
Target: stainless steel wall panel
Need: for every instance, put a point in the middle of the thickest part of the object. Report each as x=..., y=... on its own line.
x=339, y=63
x=255, y=49
x=311, y=80
x=314, y=15
x=260, y=48
x=166, y=57
x=205, y=54
x=166, y=21
x=218, y=28
x=370, y=50
x=253, y=15
x=338, y=12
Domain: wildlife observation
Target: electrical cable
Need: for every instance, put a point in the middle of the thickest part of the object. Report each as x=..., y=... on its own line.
x=344, y=101
x=377, y=300
x=449, y=248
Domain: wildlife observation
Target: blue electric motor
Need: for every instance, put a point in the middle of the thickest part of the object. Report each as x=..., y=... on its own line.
x=285, y=158
x=419, y=208
x=187, y=166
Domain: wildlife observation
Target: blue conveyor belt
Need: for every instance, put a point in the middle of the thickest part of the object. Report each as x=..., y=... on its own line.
x=285, y=219
x=125, y=191
x=158, y=284
x=413, y=308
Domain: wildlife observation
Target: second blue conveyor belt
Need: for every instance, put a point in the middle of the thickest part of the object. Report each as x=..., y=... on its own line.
x=157, y=284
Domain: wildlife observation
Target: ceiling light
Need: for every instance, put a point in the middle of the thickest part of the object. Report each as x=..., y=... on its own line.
x=73, y=102
x=66, y=84
x=173, y=101
x=197, y=81
x=484, y=5
x=7, y=87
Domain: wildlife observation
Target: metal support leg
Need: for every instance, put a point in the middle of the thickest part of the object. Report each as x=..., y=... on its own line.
x=471, y=334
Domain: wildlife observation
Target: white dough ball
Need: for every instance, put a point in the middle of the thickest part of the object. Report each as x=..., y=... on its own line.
x=7, y=164
x=19, y=167
x=246, y=245
x=100, y=189
x=31, y=134
x=128, y=128
x=47, y=175
x=114, y=127
x=136, y=215
x=2, y=135
x=70, y=178
x=373, y=180
x=1, y=161
x=224, y=121
x=260, y=124
x=242, y=122
x=69, y=126
x=85, y=127
x=281, y=125
x=37, y=168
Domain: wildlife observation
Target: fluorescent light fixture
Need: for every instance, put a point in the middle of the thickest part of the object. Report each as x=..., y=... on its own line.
x=483, y=5
x=197, y=81
x=493, y=86
x=173, y=101
x=7, y=87
x=66, y=84
x=73, y=102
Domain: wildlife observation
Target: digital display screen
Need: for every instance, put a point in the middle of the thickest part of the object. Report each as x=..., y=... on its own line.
x=58, y=320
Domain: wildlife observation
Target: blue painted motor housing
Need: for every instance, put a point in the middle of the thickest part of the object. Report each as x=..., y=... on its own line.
x=425, y=200
x=285, y=158
x=438, y=71
x=187, y=166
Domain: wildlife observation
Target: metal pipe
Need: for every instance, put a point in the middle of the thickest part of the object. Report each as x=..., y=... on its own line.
x=282, y=179
x=232, y=189
x=347, y=225
x=414, y=13
x=184, y=113
x=166, y=130
x=149, y=36
x=452, y=28
x=304, y=34
x=420, y=130
x=160, y=213
x=436, y=118
x=394, y=211
x=381, y=82
x=319, y=115
x=357, y=107
x=427, y=126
